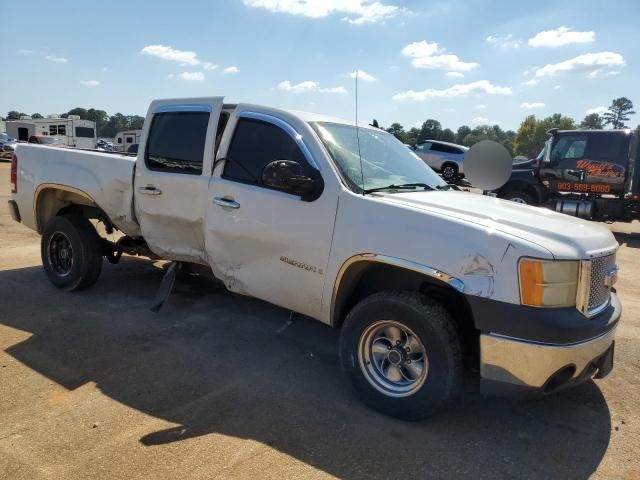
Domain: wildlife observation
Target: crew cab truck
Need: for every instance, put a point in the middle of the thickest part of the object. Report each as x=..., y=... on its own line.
x=591, y=174
x=344, y=225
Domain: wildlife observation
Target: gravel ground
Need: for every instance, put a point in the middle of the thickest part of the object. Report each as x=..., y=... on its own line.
x=95, y=385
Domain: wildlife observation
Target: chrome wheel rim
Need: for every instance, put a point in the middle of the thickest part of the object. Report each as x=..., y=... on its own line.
x=518, y=200
x=392, y=358
x=448, y=173
x=60, y=254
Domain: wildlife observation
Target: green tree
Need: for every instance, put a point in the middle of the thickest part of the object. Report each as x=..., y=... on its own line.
x=36, y=115
x=81, y=112
x=412, y=136
x=592, y=121
x=447, y=135
x=100, y=117
x=533, y=133
x=430, y=130
x=375, y=123
x=462, y=132
x=14, y=115
x=525, y=137
x=135, y=122
x=619, y=112
x=397, y=131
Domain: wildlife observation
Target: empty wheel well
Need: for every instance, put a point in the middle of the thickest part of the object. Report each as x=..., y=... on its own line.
x=51, y=202
x=367, y=277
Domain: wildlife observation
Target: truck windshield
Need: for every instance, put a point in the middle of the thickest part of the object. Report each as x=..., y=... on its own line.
x=385, y=160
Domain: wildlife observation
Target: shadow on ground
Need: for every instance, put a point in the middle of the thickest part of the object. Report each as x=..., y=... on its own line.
x=631, y=240
x=211, y=361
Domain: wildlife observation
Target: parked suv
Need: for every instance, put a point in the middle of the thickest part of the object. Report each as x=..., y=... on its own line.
x=444, y=157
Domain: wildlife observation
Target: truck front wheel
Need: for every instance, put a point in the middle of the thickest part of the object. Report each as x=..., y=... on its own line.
x=402, y=354
x=520, y=197
x=71, y=252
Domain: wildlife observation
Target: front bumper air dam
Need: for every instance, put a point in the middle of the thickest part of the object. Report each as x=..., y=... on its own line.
x=544, y=366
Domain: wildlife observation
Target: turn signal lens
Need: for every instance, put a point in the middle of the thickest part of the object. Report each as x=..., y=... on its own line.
x=548, y=283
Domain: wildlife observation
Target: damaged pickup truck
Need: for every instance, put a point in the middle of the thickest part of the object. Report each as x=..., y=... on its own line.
x=344, y=225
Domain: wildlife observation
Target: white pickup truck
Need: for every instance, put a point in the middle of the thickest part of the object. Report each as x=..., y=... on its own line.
x=345, y=225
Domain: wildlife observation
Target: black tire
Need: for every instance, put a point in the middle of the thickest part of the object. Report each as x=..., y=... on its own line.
x=520, y=197
x=433, y=326
x=449, y=171
x=76, y=235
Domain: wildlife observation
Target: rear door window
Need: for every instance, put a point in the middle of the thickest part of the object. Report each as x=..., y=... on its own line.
x=176, y=142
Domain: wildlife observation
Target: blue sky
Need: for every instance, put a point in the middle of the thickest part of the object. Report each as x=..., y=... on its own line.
x=461, y=62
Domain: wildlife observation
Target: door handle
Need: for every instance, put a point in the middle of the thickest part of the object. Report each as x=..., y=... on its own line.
x=226, y=202
x=150, y=190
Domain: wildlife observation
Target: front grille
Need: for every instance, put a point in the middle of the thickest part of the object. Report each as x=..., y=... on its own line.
x=598, y=291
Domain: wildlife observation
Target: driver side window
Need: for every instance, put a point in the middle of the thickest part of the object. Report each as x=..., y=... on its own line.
x=255, y=144
x=567, y=150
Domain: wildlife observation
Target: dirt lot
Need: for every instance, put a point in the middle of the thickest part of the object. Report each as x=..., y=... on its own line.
x=95, y=385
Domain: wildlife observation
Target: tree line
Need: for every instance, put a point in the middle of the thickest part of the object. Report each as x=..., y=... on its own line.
x=527, y=141
x=529, y=138
x=106, y=125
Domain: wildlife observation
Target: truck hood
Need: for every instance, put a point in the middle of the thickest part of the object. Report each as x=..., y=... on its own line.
x=564, y=236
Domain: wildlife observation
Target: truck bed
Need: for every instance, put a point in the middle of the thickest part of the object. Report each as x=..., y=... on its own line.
x=107, y=178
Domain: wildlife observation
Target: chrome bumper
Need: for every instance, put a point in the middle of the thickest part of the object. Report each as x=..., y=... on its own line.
x=530, y=364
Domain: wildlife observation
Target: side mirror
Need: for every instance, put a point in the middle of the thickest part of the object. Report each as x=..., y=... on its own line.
x=287, y=175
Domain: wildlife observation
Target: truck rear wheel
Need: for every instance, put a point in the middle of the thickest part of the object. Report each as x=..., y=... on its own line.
x=71, y=252
x=402, y=354
x=520, y=197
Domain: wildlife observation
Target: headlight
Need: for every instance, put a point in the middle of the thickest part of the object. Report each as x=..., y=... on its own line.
x=545, y=283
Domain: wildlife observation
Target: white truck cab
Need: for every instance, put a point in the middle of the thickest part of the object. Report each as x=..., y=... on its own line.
x=347, y=226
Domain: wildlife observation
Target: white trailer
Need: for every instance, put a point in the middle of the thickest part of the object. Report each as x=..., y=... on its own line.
x=123, y=140
x=3, y=126
x=71, y=131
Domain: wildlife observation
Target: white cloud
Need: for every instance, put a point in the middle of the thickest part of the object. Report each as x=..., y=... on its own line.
x=355, y=11
x=420, y=49
x=428, y=55
x=588, y=62
x=556, y=87
x=598, y=110
x=308, y=86
x=90, y=83
x=480, y=107
x=26, y=51
x=481, y=86
x=531, y=82
x=232, y=69
x=603, y=73
x=52, y=58
x=506, y=42
x=362, y=75
x=482, y=121
x=559, y=37
x=192, y=76
x=532, y=105
x=166, y=52
x=105, y=69
x=455, y=74
x=183, y=57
